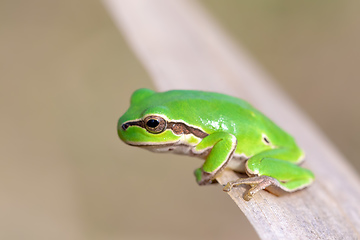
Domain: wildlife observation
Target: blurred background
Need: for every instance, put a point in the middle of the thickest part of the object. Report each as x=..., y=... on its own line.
x=67, y=75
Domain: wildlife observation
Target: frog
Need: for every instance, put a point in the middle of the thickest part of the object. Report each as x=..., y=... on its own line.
x=225, y=131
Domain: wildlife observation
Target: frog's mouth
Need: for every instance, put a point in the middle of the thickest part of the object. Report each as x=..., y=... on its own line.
x=156, y=147
x=152, y=144
x=176, y=147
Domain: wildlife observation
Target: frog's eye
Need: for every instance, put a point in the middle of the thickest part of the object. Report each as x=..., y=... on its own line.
x=155, y=124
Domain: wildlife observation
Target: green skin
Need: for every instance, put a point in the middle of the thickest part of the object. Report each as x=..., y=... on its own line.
x=225, y=131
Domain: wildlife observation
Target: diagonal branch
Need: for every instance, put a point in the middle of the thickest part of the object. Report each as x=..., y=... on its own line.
x=182, y=48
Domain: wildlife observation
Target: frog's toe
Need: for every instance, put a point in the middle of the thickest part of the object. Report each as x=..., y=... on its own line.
x=228, y=187
x=204, y=178
x=248, y=196
x=205, y=181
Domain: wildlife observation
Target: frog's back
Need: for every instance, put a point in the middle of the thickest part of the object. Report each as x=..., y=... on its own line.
x=203, y=103
x=218, y=112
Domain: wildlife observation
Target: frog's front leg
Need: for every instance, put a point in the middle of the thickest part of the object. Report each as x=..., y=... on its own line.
x=222, y=147
x=276, y=167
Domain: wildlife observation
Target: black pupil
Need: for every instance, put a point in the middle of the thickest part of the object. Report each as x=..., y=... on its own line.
x=153, y=123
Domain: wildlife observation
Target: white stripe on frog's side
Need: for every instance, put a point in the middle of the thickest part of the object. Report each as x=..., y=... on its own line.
x=184, y=146
x=236, y=162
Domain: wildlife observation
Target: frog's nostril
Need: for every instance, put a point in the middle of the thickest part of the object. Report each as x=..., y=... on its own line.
x=125, y=126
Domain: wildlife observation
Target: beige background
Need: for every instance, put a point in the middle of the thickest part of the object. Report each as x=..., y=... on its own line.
x=66, y=77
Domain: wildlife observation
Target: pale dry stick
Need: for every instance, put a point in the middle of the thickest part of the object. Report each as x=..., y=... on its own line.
x=182, y=48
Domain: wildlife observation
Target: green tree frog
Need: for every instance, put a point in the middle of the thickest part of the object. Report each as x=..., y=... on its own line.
x=225, y=131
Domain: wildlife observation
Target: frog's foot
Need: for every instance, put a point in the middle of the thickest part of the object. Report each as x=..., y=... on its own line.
x=203, y=178
x=257, y=183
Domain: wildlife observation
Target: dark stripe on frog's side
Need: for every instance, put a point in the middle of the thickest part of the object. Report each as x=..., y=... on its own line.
x=176, y=127
x=181, y=128
x=139, y=123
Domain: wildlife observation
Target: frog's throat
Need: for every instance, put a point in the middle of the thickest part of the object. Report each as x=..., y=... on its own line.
x=177, y=128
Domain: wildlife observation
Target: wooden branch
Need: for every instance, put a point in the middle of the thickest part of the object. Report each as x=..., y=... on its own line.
x=182, y=48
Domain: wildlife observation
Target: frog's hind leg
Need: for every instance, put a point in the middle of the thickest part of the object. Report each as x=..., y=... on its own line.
x=268, y=169
x=258, y=183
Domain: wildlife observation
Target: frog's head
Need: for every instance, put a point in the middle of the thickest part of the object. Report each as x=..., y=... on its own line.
x=145, y=123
